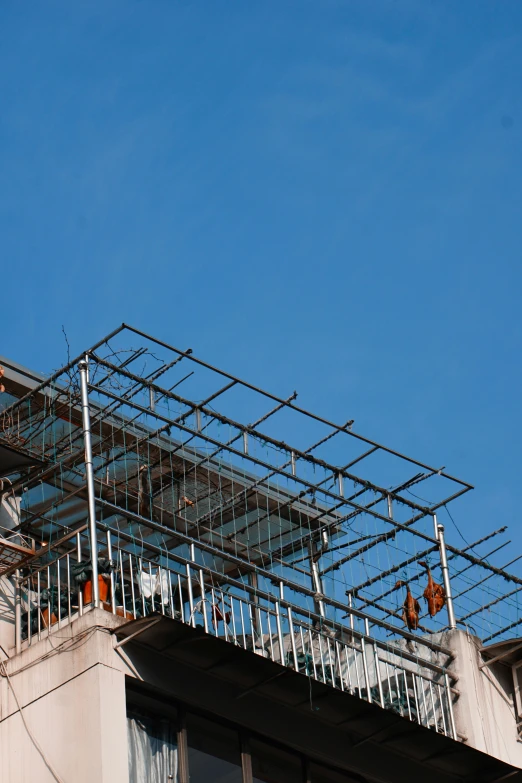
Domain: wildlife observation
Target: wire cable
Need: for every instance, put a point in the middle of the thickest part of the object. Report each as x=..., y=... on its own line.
x=54, y=773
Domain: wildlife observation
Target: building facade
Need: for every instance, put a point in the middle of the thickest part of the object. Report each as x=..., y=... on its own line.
x=185, y=597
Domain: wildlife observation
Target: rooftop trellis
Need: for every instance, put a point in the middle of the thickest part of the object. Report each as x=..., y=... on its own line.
x=185, y=452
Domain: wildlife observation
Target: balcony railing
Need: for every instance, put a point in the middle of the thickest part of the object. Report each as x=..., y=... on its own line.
x=356, y=656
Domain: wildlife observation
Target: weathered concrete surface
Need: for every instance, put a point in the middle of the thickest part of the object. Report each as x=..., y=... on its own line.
x=73, y=700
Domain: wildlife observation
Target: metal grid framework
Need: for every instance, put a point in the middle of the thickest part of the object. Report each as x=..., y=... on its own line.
x=192, y=472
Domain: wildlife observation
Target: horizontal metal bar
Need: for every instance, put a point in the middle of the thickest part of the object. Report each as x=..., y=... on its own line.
x=502, y=630
x=275, y=578
x=140, y=630
x=500, y=655
x=44, y=550
x=340, y=499
x=299, y=410
x=304, y=455
x=286, y=474
x=18, y=548
x=63, y=369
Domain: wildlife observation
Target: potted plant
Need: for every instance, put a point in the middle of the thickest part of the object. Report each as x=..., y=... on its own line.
x=82, y=573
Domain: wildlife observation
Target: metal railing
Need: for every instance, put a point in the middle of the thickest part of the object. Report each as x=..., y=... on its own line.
x=55, y=589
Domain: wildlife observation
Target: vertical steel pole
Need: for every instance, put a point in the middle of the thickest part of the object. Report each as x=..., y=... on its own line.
x=436, y=527
x=350, y=603
x=18, y=612
x=279, y=624
x=89, y=474
x=256, y=617
x=450, y=707
x=113, y=591
x=316, y=580
x=79, y=560
x=445, y=576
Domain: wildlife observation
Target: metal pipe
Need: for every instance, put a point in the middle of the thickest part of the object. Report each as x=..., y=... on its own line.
x=316, y=581
x=329, y=493
x=365, y=670
x=18, y=613
x=274, y=442
x=48, y=381
x=79, y=560
x=350, y=601
x=254, y=570
x=441, y=705
x=345, y=428
x=192, y=619
x=417, y=576
x=435, y=527
x=445, y=575
x=280, y=638
x=69, y=608
x=450, y=707
x=378, y=674
x=203, y=602
x=113, y=592
x=292, y=636
x=58, y=590
x=89, y=475
x=325, y=540
x=133, y=594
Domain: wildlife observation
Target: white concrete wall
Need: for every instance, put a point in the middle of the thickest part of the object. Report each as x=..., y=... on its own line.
x=73, y=700
x=72, y=691
x=485, y=711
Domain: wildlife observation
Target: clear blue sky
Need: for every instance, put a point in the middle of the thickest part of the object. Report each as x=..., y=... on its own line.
x=316, y=195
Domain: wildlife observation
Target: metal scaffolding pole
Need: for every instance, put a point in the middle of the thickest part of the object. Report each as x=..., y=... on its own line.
x=83, y=368
x=445, y=575
x=315, y=551
x=304, y=455
x=344, y=428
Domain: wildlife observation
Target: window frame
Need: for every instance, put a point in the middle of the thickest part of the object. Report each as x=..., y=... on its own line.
x=138, y=699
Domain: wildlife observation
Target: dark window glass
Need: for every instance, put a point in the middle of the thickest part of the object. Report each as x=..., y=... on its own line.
x=320, y=774
x=213, y=752
x=273, y=765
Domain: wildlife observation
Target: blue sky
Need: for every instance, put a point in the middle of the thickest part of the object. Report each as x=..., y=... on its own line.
x=316, y=195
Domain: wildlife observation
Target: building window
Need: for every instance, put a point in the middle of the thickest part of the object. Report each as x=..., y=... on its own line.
x=152, y=749
x=213, y=752
x=319, y=774
x=273, y=765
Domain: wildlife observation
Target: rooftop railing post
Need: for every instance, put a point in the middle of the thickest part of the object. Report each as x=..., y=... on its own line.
x=450, y=707
x=316, y=579
x=445, y=576
x=18, y=613
x=83, y=368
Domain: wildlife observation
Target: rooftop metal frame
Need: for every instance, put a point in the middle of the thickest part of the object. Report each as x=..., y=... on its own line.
x=258, y=482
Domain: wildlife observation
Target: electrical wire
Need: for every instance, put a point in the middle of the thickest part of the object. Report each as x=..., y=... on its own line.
x=54, y=773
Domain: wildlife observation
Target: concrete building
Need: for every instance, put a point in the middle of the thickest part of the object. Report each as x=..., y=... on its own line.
x=245, y=615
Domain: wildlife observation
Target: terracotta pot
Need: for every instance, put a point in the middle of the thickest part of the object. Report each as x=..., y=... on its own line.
x=45, y=618
x=103, y=587
x=120, y=611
